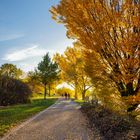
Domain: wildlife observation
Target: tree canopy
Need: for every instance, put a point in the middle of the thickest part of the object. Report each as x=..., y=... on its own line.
x=109, y=30
x=10, y=70
x=73, y=70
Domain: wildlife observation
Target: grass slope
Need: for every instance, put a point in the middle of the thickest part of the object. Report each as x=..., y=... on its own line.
x=12, y=115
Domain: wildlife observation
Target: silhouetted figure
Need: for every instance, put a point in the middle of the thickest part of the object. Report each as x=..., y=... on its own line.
x=65, y=95
x=68, y=96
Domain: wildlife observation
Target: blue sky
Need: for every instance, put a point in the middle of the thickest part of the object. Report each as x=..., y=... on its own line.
x=27, y=32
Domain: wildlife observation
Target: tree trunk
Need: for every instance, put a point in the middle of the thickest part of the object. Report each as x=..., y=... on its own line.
x=132, y=107
x=76, y=97
x=83, y=95
x=129, y=91
x=45, y=91
x=49, y=90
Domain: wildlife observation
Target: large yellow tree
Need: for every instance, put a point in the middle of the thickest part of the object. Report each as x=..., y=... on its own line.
x=73, y=72
x=109, y=29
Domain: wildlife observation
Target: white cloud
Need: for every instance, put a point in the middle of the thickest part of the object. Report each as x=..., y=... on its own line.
x=24, y=54
x=60, y=46
x=28, y=58
x=30, y=66
x=10, y=37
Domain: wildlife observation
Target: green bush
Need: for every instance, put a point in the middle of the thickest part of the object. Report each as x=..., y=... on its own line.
x=13, y=91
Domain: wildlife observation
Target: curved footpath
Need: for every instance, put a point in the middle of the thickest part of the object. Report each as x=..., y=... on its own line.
x=61, y=121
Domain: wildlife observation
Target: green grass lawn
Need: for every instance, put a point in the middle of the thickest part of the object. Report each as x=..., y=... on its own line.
x=13, y=115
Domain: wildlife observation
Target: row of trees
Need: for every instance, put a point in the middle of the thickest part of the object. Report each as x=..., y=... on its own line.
x=46, y=74
x=72, y=70
x=108, y=36
x=16, y=88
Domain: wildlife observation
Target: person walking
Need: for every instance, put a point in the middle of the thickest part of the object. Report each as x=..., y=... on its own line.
x=68, y=96
x=62, y=95
x=65, y=95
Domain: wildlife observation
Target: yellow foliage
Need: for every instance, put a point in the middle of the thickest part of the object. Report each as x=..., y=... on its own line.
x=109, y=33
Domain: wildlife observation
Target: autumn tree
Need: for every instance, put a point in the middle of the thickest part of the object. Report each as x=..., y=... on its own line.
x=11, y=71
x=109, y=29
x=33, y=80
x=48, y=72
x=73, y=70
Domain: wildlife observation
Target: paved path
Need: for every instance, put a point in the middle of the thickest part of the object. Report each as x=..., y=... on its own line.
x=62, y=121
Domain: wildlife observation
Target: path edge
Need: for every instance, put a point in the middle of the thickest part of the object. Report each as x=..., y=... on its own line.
x=16, y=128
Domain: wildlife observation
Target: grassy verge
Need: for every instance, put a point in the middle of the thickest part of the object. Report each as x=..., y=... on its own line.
x=12, y=115
x=81, y=102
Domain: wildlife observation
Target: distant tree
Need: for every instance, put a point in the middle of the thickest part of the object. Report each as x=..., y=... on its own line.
x=13, y=91
x=72, y=67
x=48, y=72
x=10, y=70
x=33, y=80
x=32, y=76
x=52, y=85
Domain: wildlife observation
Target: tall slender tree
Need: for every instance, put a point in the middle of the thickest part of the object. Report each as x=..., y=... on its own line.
x=48, y=72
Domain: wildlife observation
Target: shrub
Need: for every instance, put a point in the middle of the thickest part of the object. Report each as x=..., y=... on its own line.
x=111, y=125
x=13, y=91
